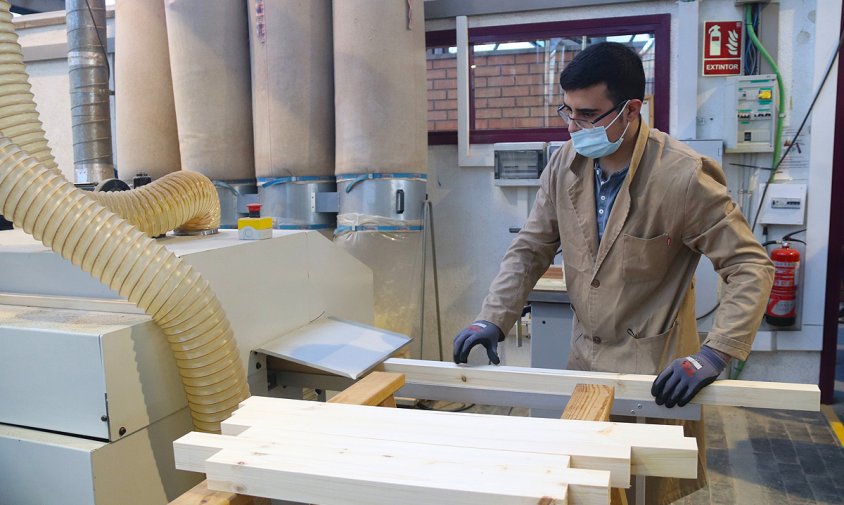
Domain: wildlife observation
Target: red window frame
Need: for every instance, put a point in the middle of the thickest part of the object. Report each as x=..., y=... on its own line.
x=659, y=25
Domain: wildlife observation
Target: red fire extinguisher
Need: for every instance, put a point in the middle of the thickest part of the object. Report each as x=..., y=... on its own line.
x=782, y=306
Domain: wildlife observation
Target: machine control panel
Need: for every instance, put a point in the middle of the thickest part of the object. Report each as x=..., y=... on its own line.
x=750, y=114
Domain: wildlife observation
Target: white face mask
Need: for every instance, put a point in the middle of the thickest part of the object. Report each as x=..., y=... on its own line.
x=594, y=143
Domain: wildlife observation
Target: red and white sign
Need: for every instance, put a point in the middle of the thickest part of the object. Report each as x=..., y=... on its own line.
x=722, y=48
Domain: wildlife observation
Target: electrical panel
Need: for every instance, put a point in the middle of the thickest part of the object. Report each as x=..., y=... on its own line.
x=784, y=204
x=519, y=160
x=750, y=114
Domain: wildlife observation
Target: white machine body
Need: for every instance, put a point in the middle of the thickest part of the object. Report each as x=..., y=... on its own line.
x=90, y=396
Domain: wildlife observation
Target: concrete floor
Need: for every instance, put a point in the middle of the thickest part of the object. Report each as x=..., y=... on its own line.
x=760, y=456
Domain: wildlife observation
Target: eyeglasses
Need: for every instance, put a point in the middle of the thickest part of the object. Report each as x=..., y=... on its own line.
x=584, y=124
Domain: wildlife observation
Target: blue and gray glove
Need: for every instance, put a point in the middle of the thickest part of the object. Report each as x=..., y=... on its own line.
x=684, y=377
x=479, y=332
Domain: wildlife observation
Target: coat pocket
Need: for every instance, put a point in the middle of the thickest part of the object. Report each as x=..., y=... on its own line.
x=645, y=259
x=652, y=351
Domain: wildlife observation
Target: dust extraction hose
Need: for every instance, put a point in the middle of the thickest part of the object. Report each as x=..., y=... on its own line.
x=178, y=299
x=18, y=117
x=184, y=200
x=188, y=201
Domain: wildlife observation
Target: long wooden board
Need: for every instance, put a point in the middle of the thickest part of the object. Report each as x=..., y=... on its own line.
x=735, y=393
x=282, y=477
x=617, y=447
x=408, y=464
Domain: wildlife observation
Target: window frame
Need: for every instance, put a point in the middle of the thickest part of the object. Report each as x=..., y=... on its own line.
x=658, y=24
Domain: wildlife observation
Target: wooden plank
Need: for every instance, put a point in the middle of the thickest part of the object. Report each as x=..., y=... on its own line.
x=282, y=479
x=590, y=402
x=193, y=449
x=389, y=402
x=454, y=468
x=439, y=465
x=373, y=389
x=201, y=495
x=613, y=459
x=656, y=450
x=735, y=393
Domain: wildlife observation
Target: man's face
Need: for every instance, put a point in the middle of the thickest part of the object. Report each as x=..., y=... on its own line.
x=587, y=106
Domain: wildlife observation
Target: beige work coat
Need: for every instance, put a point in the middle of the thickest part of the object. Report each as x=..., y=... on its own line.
x=633, y=293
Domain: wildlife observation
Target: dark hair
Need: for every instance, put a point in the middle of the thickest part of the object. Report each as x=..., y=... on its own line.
x=611, y=63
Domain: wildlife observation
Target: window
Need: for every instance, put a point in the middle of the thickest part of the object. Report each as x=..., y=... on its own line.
x=514, y=73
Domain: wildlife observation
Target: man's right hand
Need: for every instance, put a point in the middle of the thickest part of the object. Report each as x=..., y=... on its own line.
x=479, y=332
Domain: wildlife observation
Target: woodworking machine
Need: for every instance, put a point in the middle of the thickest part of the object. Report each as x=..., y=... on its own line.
x=90, y=397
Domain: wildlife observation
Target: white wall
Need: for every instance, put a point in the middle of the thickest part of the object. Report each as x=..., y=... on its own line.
x=473, y=215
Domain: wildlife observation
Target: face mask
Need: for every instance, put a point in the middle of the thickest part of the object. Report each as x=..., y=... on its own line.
x=594, y=143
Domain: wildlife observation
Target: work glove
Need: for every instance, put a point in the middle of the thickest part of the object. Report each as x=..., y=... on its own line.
x=684, y=377
x=479, y=332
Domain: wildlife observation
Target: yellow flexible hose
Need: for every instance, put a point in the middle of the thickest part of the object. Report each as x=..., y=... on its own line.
x=184, y=200
x=19, y=119
x=187, y=201
x=52, y=210
x=37, y=198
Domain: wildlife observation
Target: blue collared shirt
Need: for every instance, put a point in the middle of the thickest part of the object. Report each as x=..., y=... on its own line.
x=605, y=193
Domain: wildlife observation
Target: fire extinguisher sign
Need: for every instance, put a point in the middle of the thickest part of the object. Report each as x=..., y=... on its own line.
x=722, y=48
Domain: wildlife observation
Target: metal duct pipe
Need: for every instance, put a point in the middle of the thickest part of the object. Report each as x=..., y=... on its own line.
x=89, y=92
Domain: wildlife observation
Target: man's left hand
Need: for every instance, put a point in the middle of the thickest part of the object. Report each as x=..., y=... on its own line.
x=684, y=377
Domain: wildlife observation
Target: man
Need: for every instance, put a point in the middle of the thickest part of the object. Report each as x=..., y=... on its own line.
x=632, y=210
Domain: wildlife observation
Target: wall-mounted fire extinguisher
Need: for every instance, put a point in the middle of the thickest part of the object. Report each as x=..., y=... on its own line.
x=782, y=306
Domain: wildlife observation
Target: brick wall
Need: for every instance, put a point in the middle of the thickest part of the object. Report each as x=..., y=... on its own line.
x=514, y=90
x=442, y=93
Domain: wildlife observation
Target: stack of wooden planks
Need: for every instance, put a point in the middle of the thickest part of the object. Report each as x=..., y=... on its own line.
x=331, y=453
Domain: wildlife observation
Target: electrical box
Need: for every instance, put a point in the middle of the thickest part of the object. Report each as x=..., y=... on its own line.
x=750, y=114
x=711, y=148
x=519, y=160
x=784, y=204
